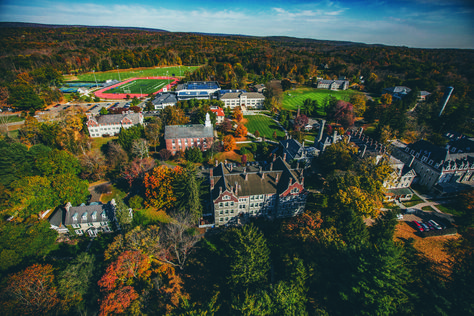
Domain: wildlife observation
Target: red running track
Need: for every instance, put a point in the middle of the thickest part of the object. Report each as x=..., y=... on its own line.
x=101, y=93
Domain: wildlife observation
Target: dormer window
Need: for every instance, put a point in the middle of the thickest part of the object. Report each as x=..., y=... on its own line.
x=84, y=216
x=417, y=155
x=407, y=149
x=431, y=162
x=226, y=197
x=412, y=152
x=103, y=214
x=74, y=217
x=94, y=215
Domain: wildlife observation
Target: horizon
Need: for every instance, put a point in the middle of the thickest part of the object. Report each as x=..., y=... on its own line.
x=433, y=24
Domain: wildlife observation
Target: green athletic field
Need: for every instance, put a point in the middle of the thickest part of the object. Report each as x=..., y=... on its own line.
x=133, y=73
x=265, y=126
x=293, y=98
x=147, y=86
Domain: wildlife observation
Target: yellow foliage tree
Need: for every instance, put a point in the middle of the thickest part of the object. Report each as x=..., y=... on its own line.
x=386, y=98
x=238, y=115
x=159, y=187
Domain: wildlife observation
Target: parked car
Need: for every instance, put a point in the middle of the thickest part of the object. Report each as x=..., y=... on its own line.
x=436, y=225
x=426, y=227
x=418, y=226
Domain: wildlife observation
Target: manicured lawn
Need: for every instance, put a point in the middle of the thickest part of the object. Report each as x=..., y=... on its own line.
x=98, y=142
x=414, y=201
x=291, y=99
x=130, y=73
x=265, y=126
x=145, y=86
x=427, y=208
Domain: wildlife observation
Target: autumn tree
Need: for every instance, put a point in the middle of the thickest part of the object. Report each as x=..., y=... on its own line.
x=31, y=291
x=257, y=133
x=244, y=159
x=153, y=133
x=342, y=112
x=358, y=100
x=386, y=98
x=300, y=122
x=229, y=143
x=237, y=114
x=93, y=165
x=165, y=154
x=116, y=156
x=241, y=131
x=226, y=126
x=159, y=187
x=172, y=115
x=136, y=170
x=139, y=148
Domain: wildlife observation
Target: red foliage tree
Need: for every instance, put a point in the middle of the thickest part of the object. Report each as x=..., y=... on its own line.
x=244, y=159
x=343, y=113
x=241, y=131
x=118, y=301
x=137, y=169
x=31, y=291
x=301, y=121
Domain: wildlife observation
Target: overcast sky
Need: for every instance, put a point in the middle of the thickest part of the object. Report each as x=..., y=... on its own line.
x=413, y=23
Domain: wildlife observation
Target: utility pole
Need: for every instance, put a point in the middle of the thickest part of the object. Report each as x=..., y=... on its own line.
x=118, y=74
x=96, y=85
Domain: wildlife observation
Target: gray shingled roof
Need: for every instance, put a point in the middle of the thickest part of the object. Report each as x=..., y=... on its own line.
x=236, y=95
x=294, y=148
x=165, y=98
x=84, y=214
x=117, y=118
x=188, y=131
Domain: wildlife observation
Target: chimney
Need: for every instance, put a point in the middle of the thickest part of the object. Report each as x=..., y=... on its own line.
x=411, y=161
x=287, y=145
x=236, y=187
x=274, y=157
x=271, y=166
x=220, y=190
x=217, y=162
x=212, y=184
x=291, y=181
x=225, y=162
x=363, y=151
x=240, y=188
x=68, y=206
x=334, y=136
x=231, y=167
x=348, y=139
x=321, y=129
x=276, y=179
x=302, y=180
x=297, y=165
x=361, y=130
x=263, y=175
x=284, y=156
x=211, y=173
x=246, y=176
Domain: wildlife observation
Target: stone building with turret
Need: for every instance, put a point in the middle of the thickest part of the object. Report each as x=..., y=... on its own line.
x=273, y=191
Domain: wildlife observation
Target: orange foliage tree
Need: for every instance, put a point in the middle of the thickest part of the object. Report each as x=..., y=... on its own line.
x=386, y=98
x=31, y=291
x=229, y=143
x=118, y=301
x=159, y=187
x=238, y=115
x=241, y=131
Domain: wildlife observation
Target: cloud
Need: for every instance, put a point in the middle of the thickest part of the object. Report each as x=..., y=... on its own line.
x=326, y=20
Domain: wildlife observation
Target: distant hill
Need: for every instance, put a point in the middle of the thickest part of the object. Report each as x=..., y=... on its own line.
x=25, y=24
x=270, y=38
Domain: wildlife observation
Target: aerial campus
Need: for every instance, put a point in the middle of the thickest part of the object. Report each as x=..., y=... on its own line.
x=232, y=179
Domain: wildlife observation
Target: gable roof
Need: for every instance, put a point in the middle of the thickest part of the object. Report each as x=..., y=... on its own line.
x=292, y=147
x=165, y=98
x=83, y=213
x=117, y=118
x=236, y=95
x=188, y=131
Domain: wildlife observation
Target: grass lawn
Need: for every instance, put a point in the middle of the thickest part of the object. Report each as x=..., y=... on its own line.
x=106, y=198
x=150, y=216
x=265, y=126
x=11, y=119
x=449, y=208
x=98, y=142
x=291, y=99
x=414, y=201
x=130, y=73
x=428, y=208
x=145, y=86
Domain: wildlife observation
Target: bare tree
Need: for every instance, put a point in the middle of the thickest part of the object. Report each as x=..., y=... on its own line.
x=93, y=165
x=177, y=239
x=4, y=125
x=140, y=148
x=116, y=156
x=153, y=133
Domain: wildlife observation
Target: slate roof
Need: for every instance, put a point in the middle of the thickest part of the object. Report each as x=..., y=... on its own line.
x=84, y=214
x=331, y=81
x=292, y=147
x=188, y=131
x=236, y=95
x=398, y=90
x=162, y=98
x=255, y=184
x=117, y=118
x=464, y=144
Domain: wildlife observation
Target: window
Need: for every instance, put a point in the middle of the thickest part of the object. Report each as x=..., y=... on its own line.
x=231, y=203
x=226, y=219
x=221, y=219
x=84, y=216
x=227, y=211
x=221, y=212
x=221, y=204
